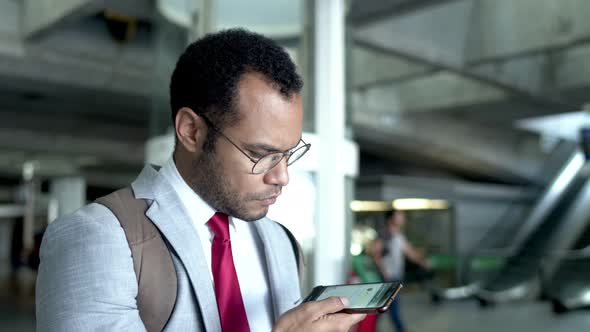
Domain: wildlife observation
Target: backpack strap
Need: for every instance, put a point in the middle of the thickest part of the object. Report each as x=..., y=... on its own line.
x=152, y=262
x=297, y=251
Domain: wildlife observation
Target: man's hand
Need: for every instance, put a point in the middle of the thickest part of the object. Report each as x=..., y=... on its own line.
x=318, y=316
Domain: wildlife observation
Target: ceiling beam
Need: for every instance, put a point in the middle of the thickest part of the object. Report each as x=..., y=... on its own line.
x=30, y=142
x=506, y=154
x=528, y=94
x=42, y=16
x=369, y=11
x=84, y=55
x=470, y=39
x=383, y=69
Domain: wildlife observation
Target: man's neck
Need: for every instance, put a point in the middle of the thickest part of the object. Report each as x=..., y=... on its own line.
x=182, y=167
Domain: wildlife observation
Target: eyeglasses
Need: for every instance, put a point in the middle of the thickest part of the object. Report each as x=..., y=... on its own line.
x=268, y=161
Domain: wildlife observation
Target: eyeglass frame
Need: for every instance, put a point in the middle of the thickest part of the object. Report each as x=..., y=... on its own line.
x=287, y=153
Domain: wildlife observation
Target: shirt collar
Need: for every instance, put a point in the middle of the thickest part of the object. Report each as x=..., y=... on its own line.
x=199, y=211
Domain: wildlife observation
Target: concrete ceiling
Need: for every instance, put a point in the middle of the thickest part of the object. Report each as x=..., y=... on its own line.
x=71, y=97
x=426, y=77
x=452, y=77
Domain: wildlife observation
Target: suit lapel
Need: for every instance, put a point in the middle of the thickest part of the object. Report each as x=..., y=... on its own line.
x=280, y=273
x=168, y=214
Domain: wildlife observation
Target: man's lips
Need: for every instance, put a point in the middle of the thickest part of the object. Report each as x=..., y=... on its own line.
x=269, y=200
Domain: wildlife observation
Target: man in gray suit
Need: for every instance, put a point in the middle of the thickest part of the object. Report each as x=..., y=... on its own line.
x=237, y=112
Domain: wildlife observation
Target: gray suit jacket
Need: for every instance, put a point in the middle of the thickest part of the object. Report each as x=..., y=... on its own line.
x=86, y=280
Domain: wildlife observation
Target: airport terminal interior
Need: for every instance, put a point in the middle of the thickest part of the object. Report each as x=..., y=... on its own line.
x=471, y=118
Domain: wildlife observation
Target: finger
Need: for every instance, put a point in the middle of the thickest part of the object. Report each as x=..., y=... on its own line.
x=338, y=322
x=327, y=306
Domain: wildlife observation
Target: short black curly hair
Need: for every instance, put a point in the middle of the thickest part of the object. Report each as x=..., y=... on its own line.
x=207, y=74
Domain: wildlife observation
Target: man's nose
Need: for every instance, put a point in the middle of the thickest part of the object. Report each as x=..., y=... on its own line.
x=278, y=175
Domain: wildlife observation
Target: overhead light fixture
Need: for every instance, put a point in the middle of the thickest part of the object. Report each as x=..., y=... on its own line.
x=370, y=206
x=420, y=204
x=399, y=204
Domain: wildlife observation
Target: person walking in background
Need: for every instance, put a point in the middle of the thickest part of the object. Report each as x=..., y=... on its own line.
x=390, y=252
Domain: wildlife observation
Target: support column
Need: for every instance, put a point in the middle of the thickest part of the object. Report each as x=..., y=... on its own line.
x=69, y=193
x=31, y=192
x=330, y=243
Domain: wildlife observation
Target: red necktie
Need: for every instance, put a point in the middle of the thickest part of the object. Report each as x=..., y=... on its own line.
x=227, y=288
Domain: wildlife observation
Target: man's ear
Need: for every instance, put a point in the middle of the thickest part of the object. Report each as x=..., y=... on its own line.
x=191, y=129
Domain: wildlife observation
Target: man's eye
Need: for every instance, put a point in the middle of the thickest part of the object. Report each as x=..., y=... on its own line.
x=255, y=155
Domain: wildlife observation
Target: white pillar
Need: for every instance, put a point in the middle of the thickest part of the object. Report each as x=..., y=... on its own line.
x=330, y=244
x=69, y=192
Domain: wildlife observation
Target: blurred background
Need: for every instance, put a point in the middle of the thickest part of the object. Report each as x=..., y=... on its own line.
x=470, y=116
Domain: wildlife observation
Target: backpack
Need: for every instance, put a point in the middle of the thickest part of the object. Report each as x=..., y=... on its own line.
x=152, y=261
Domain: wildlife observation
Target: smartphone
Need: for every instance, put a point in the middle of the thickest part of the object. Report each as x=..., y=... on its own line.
x=364, y=298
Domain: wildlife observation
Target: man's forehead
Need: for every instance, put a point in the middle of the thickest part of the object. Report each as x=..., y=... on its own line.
x=256, y=94
x=255, y=88
x=270, y=130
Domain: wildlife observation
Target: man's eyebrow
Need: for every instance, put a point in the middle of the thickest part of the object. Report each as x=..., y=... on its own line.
x=267, y=148
x=261, y=147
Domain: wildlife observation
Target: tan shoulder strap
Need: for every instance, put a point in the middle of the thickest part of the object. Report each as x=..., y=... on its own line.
x=152, y=262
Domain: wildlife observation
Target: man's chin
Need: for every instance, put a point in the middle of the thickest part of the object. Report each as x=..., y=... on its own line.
x=255, y=215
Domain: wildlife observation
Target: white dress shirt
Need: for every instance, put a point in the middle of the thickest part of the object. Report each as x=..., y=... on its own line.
x=247, y=251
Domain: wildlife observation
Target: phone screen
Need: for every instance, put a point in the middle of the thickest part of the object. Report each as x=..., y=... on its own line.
x=362, y=295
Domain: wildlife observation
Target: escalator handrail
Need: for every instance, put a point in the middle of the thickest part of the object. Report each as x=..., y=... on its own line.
x=571, y=254
x=549, y=199
x=496, y=252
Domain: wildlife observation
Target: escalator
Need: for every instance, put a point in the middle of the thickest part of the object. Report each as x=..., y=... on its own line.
x=557, y=224
x=567, y=273
x=507, y=258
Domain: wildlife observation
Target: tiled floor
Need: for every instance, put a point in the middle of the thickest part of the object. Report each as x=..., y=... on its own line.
x=16, y=319
x=17, y=313
x=420, y=315
x=17, y=302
